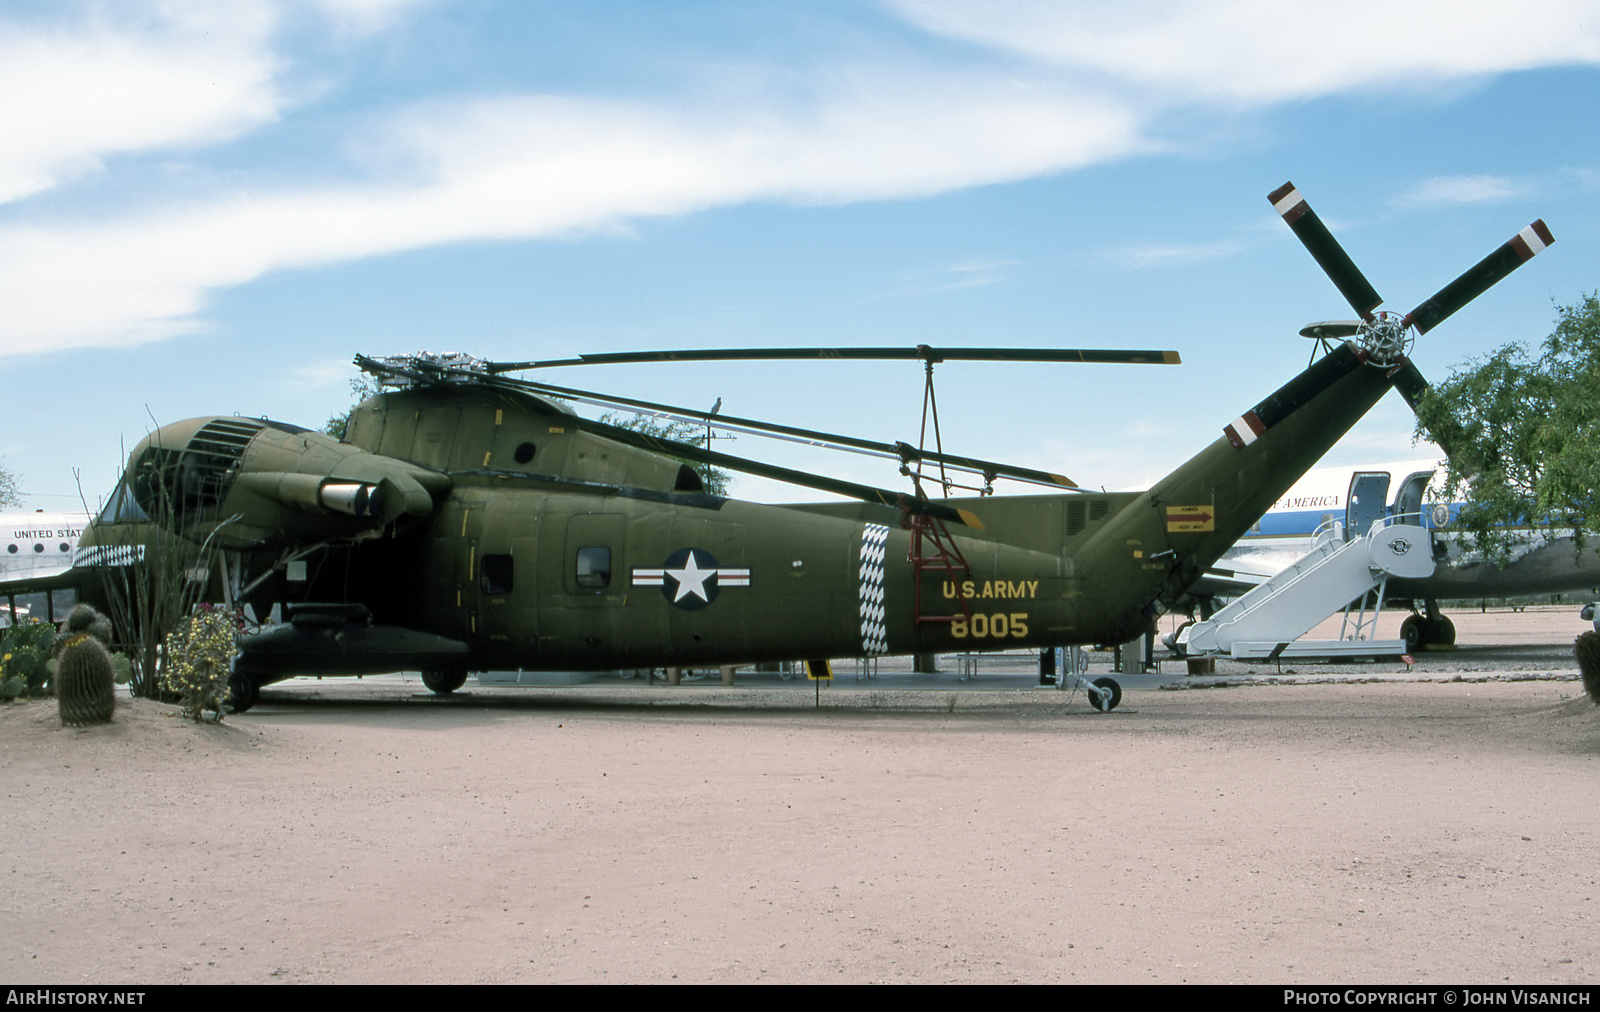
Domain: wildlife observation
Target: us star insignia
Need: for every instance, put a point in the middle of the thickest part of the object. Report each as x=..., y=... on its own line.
x=691, y=578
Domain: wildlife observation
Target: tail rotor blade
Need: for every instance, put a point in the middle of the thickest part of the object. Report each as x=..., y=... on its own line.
x=1325, y=249
x=1408, y=379
x=1522, y=248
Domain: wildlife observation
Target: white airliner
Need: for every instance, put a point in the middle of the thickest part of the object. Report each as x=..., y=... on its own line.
x=35, y=548
x=1336, y=494
x=1544, y=563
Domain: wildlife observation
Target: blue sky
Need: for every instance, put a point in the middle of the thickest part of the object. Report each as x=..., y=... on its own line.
x=210, y=207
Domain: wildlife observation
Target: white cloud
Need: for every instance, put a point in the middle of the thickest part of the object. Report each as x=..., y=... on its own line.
x=526, y=167
x=1268, y=51
x=1459, y=190
x=366, y=17
x=1090, y=78
x=1161, y=255
x=323, y=373
x=191, y=73
x=954, y=277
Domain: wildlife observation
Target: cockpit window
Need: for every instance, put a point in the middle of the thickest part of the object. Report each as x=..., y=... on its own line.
x=194, y=478
x=123, y=507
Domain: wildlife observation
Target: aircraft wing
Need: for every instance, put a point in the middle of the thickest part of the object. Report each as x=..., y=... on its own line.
x=40, y=578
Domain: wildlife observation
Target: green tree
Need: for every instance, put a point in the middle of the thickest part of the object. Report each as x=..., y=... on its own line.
x=1523, y=435
x=361, y=388
x=679, y=431
x=9, y=495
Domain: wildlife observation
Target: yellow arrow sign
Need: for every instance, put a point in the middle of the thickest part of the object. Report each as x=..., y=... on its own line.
x=1181, y=519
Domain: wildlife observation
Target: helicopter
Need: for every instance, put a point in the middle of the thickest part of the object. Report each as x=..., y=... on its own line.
x=470, y=521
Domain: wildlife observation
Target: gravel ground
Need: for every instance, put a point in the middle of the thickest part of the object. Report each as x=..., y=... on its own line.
x=1431, y=826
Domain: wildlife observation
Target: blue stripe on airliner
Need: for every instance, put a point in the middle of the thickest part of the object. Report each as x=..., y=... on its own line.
x=1304, y=523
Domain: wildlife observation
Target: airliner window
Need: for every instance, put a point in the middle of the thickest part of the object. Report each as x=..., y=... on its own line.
x=12, y=549
x=39, y=547
x=594, y=567
x=495, y=575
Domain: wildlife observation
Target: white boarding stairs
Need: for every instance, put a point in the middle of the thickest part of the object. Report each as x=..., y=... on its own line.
x=1336, y=574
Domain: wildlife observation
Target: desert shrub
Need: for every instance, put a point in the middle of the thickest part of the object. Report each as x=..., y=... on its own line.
x=198, y=659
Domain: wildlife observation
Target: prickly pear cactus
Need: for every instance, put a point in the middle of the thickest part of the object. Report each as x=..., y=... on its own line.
x=84, y=672
x=25, y=659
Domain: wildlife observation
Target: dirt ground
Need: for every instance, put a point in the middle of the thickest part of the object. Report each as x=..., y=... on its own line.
x=1429, y=832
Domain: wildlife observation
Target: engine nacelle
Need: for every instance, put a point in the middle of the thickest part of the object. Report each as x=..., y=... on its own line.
x=312, y=493
x=250, y=482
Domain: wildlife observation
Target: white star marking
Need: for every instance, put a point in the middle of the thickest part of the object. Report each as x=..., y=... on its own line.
x=691, y=580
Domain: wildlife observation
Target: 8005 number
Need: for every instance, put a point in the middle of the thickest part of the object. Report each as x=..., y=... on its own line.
x=996, y=626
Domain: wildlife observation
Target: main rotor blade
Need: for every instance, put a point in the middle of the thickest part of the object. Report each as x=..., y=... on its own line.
x=922, y=352
x=903, y=452
x=1522, y=247
x=1325, y=249
x=866, y=493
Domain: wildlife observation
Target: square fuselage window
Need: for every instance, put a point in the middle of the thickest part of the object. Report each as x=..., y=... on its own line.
x=496, y=574
x=594, y=567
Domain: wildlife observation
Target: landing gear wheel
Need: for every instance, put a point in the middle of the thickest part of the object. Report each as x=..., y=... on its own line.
x=444, y=681
x=243, y=693
x=1443, y=632
x=1116, y=695
x=1414, y=631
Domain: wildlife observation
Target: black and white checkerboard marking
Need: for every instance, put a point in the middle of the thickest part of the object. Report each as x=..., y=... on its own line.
x=874, y=636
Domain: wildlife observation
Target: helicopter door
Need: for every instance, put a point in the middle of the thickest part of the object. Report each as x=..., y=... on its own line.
x=507, y=603
x=594, y=557
x=1369, y=492
x=594, y=584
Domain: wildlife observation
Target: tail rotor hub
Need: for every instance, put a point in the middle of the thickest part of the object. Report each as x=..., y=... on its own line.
x=1386, y=338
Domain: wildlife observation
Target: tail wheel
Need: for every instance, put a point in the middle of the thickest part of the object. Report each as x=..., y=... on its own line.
x=444, y=680
x=1109, y=703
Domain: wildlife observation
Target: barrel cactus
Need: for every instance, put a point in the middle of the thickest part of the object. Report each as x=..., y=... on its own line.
x=84, y=671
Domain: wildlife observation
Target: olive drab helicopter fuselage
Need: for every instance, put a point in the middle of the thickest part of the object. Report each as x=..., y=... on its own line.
x=586, y=554
x=467, y=522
